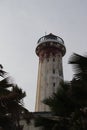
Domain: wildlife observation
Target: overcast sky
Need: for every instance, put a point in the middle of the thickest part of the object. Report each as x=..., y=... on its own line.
x=23, y=22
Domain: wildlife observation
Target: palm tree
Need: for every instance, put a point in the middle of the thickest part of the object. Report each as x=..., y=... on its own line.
x=79, y=88
x=11, y=103
x=70, y=101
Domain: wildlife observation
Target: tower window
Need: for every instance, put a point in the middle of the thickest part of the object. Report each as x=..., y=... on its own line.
x=53, y=87
x=53, y=71
x=53, y=84
x=47, y=59
x=53, y=59
x=60, y=73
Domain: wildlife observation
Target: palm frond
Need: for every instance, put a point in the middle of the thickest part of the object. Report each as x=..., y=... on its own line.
x=11, y=99
x=5, y=83
x=3, y=73
x=79, y=64
x=19, y=92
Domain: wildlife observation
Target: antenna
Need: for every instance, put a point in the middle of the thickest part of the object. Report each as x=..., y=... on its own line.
x=45, y=33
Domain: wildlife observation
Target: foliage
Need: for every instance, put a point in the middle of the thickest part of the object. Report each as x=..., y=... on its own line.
x=42, y=121
x=11, y=103
x=69, y=103
x=60, y=102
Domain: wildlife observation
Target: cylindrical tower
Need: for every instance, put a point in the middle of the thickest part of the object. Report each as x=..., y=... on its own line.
x=50, y=49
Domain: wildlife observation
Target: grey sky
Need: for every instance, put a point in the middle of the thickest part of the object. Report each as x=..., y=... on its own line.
x=23, y=22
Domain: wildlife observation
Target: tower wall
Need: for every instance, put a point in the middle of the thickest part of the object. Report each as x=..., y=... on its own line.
x=50, y=72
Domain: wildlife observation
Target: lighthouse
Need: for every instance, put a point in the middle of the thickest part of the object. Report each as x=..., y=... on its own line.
x=50, y=50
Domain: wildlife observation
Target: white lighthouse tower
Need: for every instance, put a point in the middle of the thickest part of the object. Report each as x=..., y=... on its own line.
x=50, y=50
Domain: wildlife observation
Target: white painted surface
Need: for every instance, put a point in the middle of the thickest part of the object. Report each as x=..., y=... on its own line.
x=50, y=74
